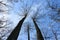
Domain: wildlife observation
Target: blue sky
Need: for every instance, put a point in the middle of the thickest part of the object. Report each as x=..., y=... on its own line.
x=43, y=20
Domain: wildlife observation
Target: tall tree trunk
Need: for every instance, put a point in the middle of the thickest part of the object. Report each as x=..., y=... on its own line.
x=28, y=33
x=39, y=34
x=14, y=34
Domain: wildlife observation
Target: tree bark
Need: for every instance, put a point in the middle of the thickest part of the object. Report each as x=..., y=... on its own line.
x=14, y=34
x=39, y=34
x=28, y=33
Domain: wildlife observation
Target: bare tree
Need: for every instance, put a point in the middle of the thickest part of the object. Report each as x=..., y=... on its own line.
x=14, y=34
x=39, y=34
x=34, y=18
x=28, y=29
x=28, y=32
